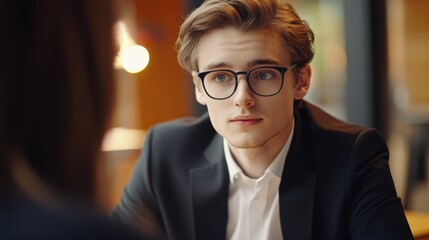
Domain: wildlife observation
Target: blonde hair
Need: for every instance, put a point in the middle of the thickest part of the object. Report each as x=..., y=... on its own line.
x=245, y=15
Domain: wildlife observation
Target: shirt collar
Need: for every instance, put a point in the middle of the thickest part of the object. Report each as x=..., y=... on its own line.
x=276, y=167
x=233, y=167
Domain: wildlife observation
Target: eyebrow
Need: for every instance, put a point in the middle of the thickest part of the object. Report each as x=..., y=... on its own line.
x=262, y=62
x=217, y=65
x=250, y=64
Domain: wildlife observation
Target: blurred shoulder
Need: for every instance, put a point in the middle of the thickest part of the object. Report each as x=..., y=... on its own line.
x=27, y=220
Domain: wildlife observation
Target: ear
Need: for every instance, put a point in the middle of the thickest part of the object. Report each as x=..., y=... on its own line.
x=303, y=82
x=199, y=91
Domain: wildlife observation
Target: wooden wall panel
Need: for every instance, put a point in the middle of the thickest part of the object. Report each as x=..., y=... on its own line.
x=161, y=91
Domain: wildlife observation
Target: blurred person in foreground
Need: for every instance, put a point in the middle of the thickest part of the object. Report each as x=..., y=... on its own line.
x=263, y=163
x=56, y=95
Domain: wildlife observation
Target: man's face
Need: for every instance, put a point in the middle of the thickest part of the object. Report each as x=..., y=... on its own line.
x=245, y=119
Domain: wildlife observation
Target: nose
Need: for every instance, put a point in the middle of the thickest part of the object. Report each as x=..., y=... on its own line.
x=243, y=96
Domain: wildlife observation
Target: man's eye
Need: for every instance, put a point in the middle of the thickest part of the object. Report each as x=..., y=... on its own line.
x=221, y=78
x=264, y=75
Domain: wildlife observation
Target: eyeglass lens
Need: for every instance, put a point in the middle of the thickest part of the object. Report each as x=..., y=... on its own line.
x=264, y=81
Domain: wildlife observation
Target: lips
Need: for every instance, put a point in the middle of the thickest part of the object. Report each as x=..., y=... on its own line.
x=246, y=120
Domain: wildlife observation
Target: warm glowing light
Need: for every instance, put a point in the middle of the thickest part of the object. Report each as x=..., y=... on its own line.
x=119, y=138
x=131, y=57
x=134, y=58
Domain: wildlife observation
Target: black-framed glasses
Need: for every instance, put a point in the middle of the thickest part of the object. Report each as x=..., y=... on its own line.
x=263, y=81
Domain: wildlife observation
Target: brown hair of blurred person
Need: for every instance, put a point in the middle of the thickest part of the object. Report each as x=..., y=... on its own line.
x=56, y=95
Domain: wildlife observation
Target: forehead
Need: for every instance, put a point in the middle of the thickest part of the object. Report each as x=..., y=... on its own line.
x=233, y=48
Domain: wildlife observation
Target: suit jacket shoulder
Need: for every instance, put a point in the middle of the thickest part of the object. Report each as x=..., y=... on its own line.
x=343, y=168
x=333, y=141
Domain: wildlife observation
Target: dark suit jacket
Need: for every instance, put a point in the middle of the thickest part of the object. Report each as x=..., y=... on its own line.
x=336, y=182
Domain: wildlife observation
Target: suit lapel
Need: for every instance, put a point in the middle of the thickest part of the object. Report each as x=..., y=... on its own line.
x=209, y=189
x=297, y=188
x=296, y=205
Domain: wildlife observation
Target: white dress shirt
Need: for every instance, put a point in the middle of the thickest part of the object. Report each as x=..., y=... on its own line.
x=253, y=204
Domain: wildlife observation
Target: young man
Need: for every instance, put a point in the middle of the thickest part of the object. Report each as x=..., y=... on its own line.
x=263, y=163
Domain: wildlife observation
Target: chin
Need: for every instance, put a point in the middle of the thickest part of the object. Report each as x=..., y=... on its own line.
x=246, y=144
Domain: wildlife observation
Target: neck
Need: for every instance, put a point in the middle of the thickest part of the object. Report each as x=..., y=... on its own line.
x=251, y=161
